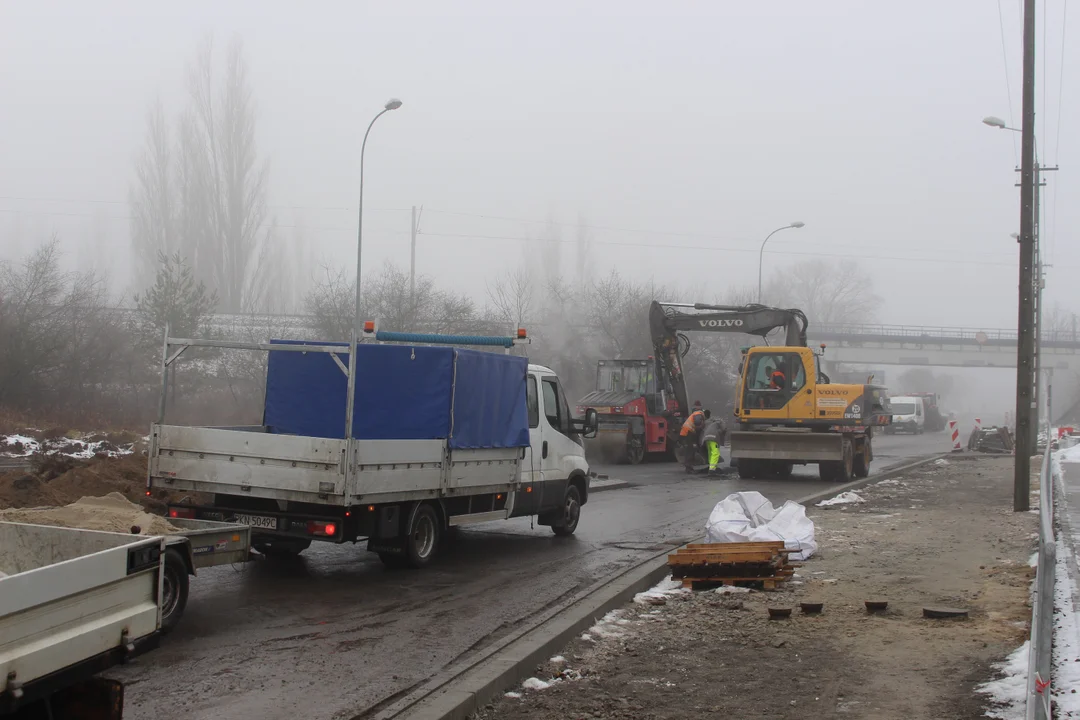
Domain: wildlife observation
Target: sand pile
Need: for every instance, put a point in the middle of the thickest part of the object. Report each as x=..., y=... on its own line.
x=113, y=513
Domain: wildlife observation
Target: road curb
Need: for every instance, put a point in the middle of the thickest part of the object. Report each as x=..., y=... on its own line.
x=455, y=695
x=609, y=485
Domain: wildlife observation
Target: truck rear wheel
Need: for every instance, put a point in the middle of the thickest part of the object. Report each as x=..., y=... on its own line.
x=174, y=590
x=861, y=465
x=424, y=538
x=567, y=521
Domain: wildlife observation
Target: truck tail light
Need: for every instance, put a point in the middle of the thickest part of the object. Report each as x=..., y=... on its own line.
x=325, y=529
x=182, y=513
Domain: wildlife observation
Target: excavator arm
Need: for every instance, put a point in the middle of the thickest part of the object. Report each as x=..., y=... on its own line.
x=668, y=321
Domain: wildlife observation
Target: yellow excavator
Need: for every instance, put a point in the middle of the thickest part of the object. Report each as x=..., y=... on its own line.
x=787, y=412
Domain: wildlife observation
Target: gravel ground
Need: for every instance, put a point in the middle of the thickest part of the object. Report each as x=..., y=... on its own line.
x=941, y=536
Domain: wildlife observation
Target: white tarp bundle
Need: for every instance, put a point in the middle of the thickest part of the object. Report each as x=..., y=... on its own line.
x=750, y=517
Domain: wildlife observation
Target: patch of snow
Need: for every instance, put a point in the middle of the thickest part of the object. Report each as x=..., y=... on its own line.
x=535, y=684
x=514, y=695
x=1068, y=455
x=79, y=449
x=1009, y=693
x=666, y=588
x=587, y=637
x=558, y=660
x=1065, y=662
x=1033, y=561
x=19, y=446
x=941, y=461
x=890, y=481
x=731, y=590
x=609, y=625
x=844, y=498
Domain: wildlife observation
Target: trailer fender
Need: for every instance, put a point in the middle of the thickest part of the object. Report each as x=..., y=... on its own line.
x=182, y=546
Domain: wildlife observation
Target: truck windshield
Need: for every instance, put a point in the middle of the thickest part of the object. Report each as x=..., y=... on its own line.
x=903, y=408
x=626, y=378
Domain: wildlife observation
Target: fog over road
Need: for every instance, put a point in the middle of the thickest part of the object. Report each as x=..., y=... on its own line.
x=331, y=633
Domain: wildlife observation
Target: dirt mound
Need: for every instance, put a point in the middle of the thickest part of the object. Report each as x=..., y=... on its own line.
x=63, y=480
x=112, y=513
x=19, y=490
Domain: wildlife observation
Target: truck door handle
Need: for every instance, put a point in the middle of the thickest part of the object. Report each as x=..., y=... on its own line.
x=543, y=451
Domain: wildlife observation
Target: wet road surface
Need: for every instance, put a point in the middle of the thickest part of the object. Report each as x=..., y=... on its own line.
x=332, y=633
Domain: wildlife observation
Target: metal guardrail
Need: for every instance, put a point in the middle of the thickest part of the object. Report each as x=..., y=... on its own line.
x=1042, y=606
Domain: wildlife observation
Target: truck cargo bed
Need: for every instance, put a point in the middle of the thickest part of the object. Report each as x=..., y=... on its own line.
x=321, y=471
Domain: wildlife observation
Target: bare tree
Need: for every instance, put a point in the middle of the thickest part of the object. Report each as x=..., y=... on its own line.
x=512, y=299
x=828, y=292
x=207, y=198
x=59, y=340
x=331, y=303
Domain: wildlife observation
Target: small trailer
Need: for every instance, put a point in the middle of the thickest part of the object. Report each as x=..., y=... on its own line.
x=73, y=603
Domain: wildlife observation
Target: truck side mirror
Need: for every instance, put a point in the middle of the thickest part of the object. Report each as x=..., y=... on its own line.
x=592, y=423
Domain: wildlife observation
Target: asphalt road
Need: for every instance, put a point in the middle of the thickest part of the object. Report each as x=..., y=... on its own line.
x=331, y=634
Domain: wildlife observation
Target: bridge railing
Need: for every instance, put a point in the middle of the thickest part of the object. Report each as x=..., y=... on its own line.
x=930, y=332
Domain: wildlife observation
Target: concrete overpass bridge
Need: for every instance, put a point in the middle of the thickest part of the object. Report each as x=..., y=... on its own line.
x=876, y=345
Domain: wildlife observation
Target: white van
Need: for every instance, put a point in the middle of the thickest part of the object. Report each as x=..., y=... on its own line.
x=908, y=415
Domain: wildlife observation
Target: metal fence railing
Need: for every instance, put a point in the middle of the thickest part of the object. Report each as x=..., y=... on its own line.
x=1042, y=606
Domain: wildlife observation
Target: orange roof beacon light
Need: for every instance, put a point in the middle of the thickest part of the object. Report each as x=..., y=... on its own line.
x=369, y=326
x=521, y=334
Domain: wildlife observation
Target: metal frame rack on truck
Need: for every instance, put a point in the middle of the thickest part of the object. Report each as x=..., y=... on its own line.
x=73, y=603
x=437, y=436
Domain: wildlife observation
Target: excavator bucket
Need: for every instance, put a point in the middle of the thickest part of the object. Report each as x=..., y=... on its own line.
x=798, y=446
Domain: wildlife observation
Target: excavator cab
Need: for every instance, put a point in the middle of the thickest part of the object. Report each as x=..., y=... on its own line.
x=778, y=382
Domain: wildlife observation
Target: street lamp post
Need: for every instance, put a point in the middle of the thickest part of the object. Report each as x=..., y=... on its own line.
x=761, y=254
x=1039, y=281
x=350, y=398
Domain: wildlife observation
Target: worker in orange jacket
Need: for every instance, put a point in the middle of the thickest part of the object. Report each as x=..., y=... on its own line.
x=689, y=433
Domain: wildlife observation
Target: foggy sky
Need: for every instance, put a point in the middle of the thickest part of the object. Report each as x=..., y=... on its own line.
x=682, y=132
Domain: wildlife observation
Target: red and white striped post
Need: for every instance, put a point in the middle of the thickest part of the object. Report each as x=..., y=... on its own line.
x=954, y=429
x=978, y=425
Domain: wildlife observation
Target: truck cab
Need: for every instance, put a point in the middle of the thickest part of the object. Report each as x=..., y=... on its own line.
x=908, y=415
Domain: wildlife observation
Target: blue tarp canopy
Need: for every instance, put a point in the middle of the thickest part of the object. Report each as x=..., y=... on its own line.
x=402, y=393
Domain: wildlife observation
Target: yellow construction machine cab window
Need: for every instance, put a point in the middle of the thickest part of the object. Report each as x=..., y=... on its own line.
x=773, y=376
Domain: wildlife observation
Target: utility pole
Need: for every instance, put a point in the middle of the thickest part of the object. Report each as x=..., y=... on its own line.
x=1025, y=345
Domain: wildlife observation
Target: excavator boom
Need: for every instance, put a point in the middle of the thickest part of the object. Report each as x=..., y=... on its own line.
x=667, y=321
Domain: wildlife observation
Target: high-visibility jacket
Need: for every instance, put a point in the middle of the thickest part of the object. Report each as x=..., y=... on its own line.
x=691, y=422
x=778, y=380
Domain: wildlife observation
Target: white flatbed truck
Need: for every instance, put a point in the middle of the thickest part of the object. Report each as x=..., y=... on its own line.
x=398, y=493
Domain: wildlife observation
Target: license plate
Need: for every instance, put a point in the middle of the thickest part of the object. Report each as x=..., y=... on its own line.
x=258, y=521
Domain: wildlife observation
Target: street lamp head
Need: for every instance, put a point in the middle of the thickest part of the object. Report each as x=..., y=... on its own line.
x=797, y=224
x=393, y=104
x=994, y=122
x=1014, y=236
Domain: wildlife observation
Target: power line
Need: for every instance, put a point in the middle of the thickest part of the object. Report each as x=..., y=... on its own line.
x=714, y=248
x=96, y=201
x=1008, y=86
x=1061, y=81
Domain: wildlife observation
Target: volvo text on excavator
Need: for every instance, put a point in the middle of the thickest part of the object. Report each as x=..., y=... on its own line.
x=786, y=411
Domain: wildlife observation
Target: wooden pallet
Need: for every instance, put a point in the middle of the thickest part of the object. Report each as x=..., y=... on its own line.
x=762, y=564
